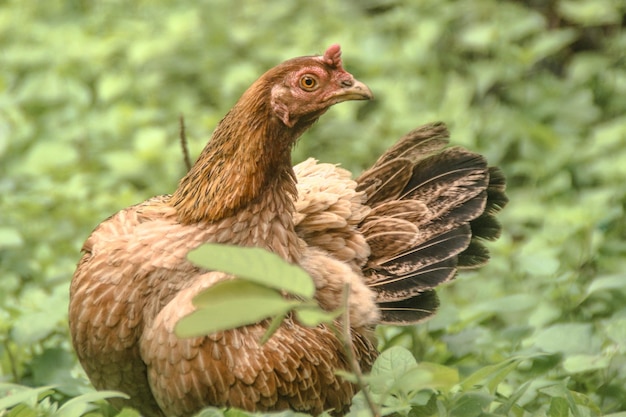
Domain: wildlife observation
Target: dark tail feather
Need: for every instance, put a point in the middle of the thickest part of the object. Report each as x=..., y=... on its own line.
x=486, y=226
x=417, y=144
x=421, y=268
x=497, y=198
x=411, y=310
x=444, y=202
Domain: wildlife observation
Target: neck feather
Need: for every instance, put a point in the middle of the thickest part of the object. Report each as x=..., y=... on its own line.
x=248, y=156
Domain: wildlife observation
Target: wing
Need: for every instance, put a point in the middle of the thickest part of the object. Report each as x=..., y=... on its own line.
x=407, y=224
x=431, y=207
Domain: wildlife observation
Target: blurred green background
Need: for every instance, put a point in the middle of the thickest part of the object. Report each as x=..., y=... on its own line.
x=91, y=93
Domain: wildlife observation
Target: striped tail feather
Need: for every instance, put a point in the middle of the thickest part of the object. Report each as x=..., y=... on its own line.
x=432, y=207
x=486, y=227
x=410, y=310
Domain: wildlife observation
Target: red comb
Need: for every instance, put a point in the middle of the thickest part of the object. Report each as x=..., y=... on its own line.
x=332, y=56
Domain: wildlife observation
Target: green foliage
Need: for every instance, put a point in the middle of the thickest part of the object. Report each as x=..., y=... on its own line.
x=91, y=92
x=231, y=304
x=261, y=279
x=255, y=265
x=36, y=402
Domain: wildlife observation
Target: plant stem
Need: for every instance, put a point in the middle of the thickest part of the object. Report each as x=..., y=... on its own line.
x=183, y=142
x=345, y=337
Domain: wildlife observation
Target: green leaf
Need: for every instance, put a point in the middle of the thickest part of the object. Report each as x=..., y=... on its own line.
x=53, y=366
x=313, y=315
x=427, y=375
x=47, y=156
x=480, y=37
x=22, y=410
x=231, y=304
x=394, y=361
x=389, y=366
x=10, y=238
x=254, y=264
x=513, y=399
x=470, y=404
x=552, y=42
x=78, y=406
x=568, y=338
x=210, y=412
x=427, y=407
x=490, y=375
x=544, y=313
x=559, y=390
x=33, y=326
x=16, y=394
x=112, y=85
x=607, y=282
x=585, y=363
x=274, y=325
x=558, y=407
x=598, y=12
x=128, y=412
x=542, y=262
x=615, y=331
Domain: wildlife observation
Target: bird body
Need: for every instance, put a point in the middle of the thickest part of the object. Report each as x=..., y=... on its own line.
x=393, y=234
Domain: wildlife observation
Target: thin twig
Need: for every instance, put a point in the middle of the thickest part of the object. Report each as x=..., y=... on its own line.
x=183, y=142
x=346, y=340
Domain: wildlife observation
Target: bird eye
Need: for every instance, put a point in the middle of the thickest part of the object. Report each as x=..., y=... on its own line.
x=307, y=82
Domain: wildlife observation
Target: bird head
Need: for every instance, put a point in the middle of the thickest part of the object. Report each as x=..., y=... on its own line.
x=302, y=89
x=250, y=149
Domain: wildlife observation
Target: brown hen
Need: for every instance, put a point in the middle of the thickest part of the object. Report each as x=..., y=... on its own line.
x=396, y=232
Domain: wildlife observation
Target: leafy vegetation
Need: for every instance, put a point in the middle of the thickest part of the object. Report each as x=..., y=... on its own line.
x=256, y=293
x=90, y=95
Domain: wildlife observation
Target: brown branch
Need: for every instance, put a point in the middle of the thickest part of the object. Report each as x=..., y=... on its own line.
x=183, y=142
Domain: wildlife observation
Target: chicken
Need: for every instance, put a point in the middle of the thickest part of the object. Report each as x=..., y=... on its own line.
x=393, y=234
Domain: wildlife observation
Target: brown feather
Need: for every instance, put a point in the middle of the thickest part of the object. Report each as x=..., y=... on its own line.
x=416, y=145
x=385, y=181
x=389, y=234
x=392, y=235
x=445, y=206
x=412, y=310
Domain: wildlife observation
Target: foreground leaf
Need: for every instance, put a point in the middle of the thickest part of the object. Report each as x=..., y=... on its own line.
x=78, y=406
x=18, y=394
x=312, y=315
x=254, y=264
x=231, y=304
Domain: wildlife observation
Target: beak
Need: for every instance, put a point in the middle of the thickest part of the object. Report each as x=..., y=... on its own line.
x=352, y=89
